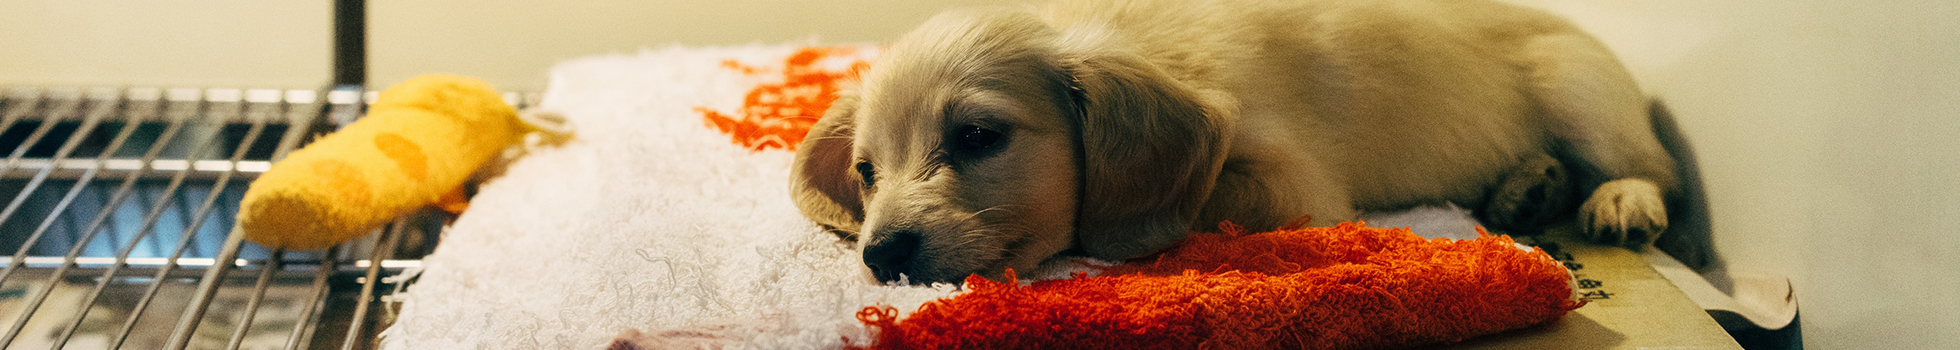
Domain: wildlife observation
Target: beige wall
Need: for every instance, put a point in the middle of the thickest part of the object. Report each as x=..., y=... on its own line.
x=1830, y=142
x=513, y=42
x=287, y=44
x=200, y=43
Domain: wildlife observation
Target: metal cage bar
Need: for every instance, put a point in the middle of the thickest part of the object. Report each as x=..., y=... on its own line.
x=258, y=295
x=390, y=238
x=89, y=235
x=303, y=331
x=149, y=223
x=122, y=193
x=93, y=119
x=207, y=288
x=72, y=270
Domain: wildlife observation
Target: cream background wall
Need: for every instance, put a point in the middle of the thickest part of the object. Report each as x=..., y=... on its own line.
x=1826, y=129
x=512, y=42
x=197, y=43
x=1830, y=145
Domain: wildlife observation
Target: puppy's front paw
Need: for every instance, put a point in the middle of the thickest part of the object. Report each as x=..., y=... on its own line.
x=1628, y=212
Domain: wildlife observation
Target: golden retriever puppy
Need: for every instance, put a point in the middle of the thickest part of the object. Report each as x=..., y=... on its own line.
x=994, y=139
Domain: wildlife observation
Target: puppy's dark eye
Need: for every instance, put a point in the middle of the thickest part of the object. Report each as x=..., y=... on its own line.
x=974, y=138
x=867, y=173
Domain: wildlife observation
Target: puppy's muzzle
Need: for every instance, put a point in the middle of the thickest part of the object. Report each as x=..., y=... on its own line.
x=890, y=254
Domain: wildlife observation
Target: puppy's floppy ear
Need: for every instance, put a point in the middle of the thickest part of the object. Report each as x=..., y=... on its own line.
x=1151, y=148
x=821, y=180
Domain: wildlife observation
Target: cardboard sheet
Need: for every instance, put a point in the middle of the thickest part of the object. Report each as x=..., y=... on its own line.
x=1631, y=306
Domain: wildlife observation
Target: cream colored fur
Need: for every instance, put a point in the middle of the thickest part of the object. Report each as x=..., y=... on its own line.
x=1124, y=125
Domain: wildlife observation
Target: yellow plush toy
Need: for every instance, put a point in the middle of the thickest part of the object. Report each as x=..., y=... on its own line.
x=416, y=147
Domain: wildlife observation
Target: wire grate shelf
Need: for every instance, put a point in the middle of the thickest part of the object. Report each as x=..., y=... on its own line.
x=119, y=214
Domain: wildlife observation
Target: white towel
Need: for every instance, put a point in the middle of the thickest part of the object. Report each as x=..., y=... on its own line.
x=648, y=219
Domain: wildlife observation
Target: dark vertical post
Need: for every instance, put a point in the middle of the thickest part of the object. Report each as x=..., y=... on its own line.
x=349, y=42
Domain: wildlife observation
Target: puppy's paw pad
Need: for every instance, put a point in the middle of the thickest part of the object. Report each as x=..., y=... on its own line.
x=1628, y=212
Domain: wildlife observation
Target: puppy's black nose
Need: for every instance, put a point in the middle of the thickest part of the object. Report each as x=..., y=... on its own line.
x=889, y=254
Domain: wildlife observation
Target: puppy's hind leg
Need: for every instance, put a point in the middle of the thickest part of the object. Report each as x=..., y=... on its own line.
x=1532, y=194
x=1591, y=105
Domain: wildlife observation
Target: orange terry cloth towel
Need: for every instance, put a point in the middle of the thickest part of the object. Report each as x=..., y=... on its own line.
x=1343, y=287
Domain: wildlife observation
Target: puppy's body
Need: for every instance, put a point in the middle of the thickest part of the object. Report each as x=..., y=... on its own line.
x=1127, y=124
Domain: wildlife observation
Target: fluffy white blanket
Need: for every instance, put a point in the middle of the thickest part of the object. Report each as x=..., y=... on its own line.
x=651, y=220
x=648, y=219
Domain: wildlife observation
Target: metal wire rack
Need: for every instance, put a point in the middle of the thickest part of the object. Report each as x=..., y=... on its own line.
x=120, y=214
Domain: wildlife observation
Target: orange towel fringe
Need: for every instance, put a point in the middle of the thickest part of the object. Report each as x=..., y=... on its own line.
x=1343, y=287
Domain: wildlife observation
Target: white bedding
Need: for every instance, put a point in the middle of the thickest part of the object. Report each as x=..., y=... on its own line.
x=647, y=219
x=651, y=220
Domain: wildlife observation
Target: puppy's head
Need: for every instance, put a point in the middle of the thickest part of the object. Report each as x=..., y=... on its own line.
x=982, y=142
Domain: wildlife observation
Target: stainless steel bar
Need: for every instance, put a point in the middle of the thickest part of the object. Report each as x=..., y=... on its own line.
x=102, y=109
x=347, y=103
x=347, y=106
x=381, y=252
x=303, y=329
x=207, y=288
x=109, y=208
x=156, y=282
x=48, y=124
x=146, y=199
x=54, y=116
x=71, y=168
x=20, y=106
x=149, y=164
x=114, y=231
x=182, y=205
x=102, y=262
x=149, y=224
x=299, y=120
x=271, y=267
x=21, y=199
x=122, y=259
